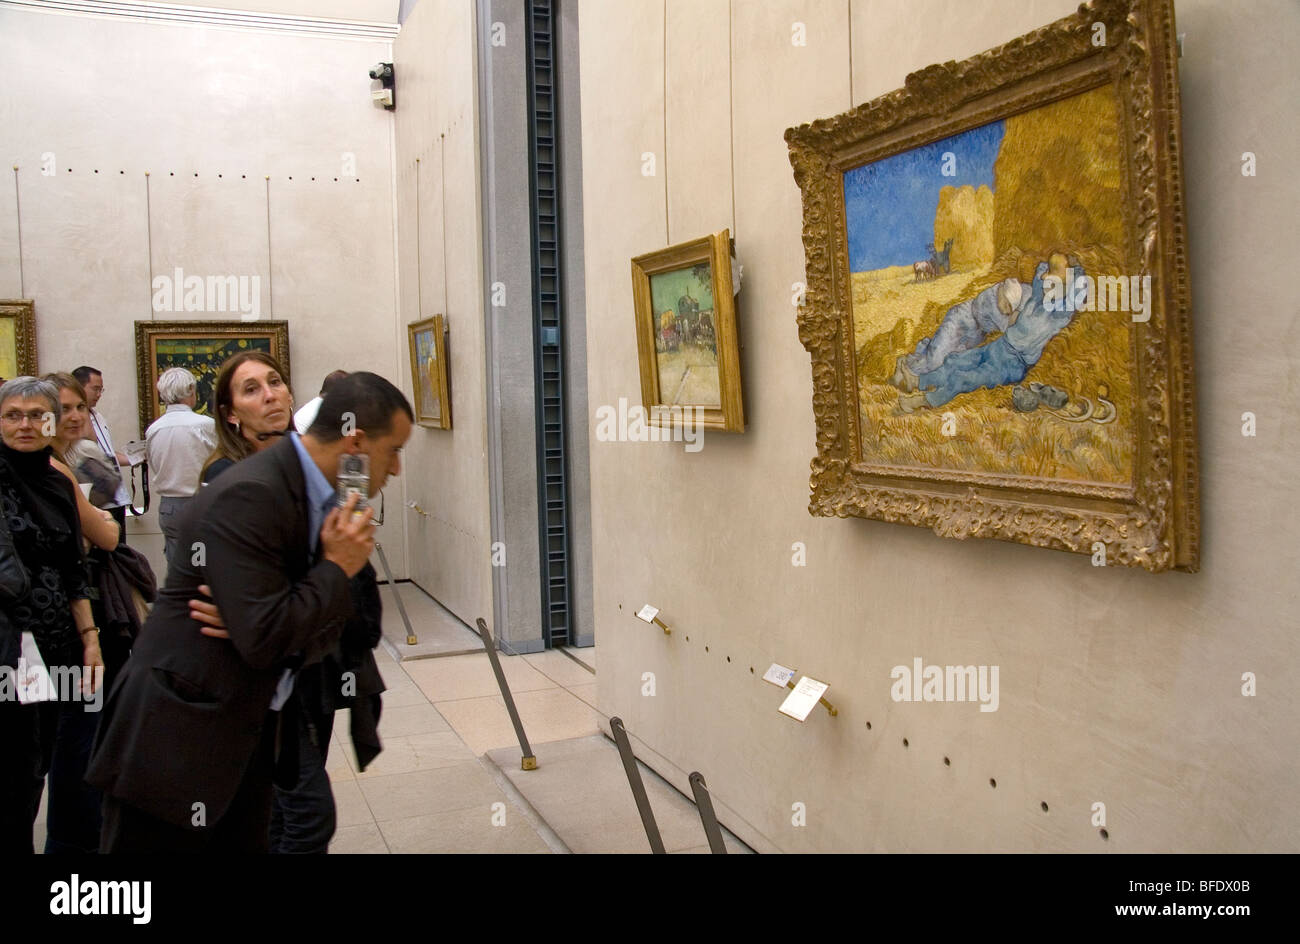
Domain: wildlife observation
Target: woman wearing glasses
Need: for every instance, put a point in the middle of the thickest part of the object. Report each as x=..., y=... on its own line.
x=46, y=625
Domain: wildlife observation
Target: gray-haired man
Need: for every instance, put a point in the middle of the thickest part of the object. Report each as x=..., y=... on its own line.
x=178, y=443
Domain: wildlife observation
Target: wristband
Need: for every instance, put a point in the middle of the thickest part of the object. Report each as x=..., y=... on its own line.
x=89, y=629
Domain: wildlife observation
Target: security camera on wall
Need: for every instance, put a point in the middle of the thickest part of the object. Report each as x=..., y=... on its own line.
x=383, y=73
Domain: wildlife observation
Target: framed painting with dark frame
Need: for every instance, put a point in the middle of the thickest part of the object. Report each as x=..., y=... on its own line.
x=687, y=344
x=427, y=340
x=17, y=338
x=201, y=347
x=997, y=306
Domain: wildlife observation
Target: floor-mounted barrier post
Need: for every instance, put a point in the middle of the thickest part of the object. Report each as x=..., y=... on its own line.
x=705, y=805
x=638, y=788
x=529, y=760
x=401, y=607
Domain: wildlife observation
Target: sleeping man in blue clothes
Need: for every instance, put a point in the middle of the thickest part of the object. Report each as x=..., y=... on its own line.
x=1029, y=325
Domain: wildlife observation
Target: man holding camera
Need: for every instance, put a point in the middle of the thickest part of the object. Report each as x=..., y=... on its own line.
x=193, y=735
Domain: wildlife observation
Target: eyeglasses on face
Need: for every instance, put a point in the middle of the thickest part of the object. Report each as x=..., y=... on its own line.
x=16, y=417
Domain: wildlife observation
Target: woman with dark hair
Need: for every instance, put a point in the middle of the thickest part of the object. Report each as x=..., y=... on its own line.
x=52, y=615
x=253, y=407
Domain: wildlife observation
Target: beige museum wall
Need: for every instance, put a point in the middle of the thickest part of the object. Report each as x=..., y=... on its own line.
x=440, y=272
x=209, y=114
x=1116, y=686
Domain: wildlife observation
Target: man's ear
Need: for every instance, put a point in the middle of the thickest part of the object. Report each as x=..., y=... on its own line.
x=356, y=443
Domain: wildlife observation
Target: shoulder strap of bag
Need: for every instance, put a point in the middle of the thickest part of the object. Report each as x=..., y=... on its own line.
x=144, y=487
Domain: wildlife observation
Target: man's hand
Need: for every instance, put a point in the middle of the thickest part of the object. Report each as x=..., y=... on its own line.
x=207, y=615
x=348, y=537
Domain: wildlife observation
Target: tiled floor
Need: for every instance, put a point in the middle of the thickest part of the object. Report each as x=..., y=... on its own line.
x=429, y=791
x=434, y=788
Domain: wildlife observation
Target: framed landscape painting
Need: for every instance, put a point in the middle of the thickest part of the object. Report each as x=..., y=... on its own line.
x=997, y=309
x=201, y=347
x=17, y=338
x=686, y=334
x=428, y=343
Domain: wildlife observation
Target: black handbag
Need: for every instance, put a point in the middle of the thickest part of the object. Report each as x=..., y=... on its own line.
x=14, y=583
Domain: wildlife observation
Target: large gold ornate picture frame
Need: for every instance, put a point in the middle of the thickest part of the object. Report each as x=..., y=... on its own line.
x=979, y=365
x=17, y=338
x=687, y=343
x=201, y=347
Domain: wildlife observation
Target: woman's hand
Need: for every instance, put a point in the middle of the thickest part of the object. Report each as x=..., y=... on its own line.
x=92, y=662
x=207, y=615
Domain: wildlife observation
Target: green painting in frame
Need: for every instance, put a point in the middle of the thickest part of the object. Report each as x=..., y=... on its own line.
x=201, y=347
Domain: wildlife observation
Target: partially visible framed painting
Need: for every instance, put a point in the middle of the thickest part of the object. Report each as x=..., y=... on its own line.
x=687, y=344
x=201, y=347
x=427, y=340
x=17, y=338
x=997, y=308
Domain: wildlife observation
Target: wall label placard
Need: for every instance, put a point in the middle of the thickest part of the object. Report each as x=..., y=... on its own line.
x=778, y=675
x=648, y=613
x=800, y=702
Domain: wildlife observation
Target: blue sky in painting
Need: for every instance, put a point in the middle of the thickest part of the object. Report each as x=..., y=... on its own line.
x=890, y=204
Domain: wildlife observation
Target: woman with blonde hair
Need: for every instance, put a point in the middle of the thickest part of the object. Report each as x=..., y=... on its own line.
x=80, y=461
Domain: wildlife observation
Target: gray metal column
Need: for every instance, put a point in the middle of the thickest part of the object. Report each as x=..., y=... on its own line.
x=507, y=290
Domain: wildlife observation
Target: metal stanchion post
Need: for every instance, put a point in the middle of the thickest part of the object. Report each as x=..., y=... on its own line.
x=705, y=805
x=401, y=608
x=638, y=788
x=529, y=760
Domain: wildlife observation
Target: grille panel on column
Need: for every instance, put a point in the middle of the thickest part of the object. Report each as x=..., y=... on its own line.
x=548, y=355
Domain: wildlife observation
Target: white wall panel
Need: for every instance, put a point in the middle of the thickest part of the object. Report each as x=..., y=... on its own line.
x=209, y=113
x=434, y=56
x=1115, y=686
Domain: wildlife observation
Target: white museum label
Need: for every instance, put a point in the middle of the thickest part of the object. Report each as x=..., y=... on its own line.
x=648, y=613
x=804, y=698
x=778, y=675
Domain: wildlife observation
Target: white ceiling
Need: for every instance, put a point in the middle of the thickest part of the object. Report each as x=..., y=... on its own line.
x=374, y=11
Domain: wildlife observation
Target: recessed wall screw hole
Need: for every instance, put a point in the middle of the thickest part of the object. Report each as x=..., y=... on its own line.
x=947, y=762
x=1044, y=806
x=993, y=783
x=1104, y=834
x=905, y=742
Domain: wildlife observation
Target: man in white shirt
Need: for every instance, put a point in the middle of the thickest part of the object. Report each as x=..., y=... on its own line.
x=178, y=442
x=93, y=380
x=302, y=420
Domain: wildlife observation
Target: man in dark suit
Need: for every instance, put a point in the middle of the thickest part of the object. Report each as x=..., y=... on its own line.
x=192, y=732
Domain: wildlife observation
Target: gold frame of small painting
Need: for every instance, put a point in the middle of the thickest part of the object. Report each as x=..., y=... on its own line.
x=436, y=412
x=21, y=350
x=212, y=343
x=689, y=349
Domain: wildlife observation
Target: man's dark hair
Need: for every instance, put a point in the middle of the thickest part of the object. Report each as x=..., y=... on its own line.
x=83, y=374
x=370, y=399
x=330, y=380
